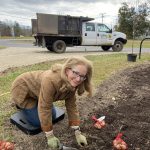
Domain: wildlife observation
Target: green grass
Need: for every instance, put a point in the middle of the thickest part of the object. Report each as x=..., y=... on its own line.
x=2, y=47
x=104, y=67
x=136, y=43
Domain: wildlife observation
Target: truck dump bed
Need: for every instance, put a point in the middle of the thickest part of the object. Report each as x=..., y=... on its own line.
x=50, y=24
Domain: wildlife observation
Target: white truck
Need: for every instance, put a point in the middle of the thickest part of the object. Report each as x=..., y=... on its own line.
x=56, y=32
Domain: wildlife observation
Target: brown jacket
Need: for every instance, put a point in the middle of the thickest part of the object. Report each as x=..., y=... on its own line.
x=45, y=87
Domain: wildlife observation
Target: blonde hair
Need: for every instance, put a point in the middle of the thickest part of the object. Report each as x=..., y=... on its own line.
x=86, y=85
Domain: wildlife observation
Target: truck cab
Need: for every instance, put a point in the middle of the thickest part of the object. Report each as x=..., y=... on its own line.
x=99, y=34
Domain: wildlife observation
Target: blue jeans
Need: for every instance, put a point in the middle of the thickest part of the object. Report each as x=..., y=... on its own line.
x=33, y=117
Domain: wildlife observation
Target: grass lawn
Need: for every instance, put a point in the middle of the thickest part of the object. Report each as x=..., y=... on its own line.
x=136, y=43
x=104, y=66
x=2, y=47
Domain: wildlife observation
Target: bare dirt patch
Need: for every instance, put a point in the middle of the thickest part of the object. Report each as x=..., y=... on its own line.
x=125, y=101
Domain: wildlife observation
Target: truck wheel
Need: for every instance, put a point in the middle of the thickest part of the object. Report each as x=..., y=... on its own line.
x=59, y=46
x=105, y=48
x=118, y=46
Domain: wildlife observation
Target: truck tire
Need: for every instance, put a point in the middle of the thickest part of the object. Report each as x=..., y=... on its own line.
x=105, y=48
x=118, y=46
x=59, y=46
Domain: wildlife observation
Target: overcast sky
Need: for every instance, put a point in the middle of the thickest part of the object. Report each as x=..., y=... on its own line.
x=23, y=10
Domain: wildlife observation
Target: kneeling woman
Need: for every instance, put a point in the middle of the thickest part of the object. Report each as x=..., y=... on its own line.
x=34, y=92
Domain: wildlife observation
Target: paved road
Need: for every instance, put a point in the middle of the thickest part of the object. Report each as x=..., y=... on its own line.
x=26, y=54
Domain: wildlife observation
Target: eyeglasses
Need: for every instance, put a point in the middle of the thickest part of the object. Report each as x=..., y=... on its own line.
x=77, y=74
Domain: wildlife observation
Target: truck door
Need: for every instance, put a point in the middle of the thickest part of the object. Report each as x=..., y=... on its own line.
x=104, y=35
x=88, y=34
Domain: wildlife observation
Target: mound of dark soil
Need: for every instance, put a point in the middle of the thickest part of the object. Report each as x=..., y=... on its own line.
x=125, y=101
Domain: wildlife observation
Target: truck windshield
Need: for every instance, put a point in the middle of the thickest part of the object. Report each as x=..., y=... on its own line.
x=103, y=28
